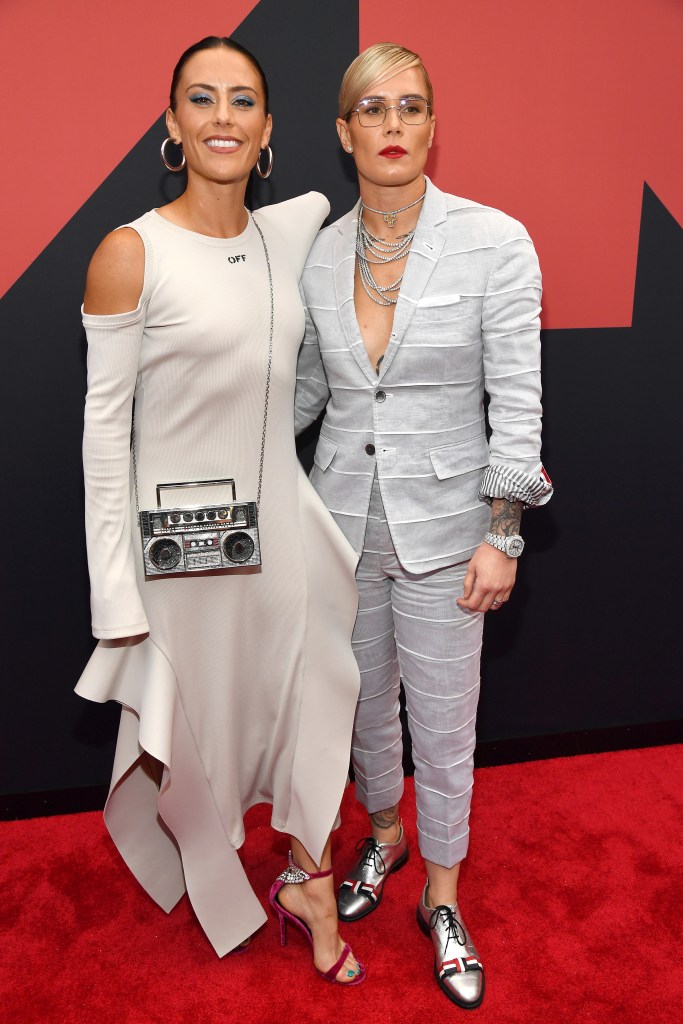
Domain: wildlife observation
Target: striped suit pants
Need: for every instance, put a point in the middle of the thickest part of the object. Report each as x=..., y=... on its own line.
x=409, y=628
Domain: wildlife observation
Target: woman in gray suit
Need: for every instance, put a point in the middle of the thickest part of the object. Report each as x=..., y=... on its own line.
x=418, y=303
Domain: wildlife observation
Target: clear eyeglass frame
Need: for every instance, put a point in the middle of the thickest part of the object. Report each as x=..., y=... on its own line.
x=412, y=111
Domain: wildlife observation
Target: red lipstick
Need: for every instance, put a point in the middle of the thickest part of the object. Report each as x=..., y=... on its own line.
x=393, y=152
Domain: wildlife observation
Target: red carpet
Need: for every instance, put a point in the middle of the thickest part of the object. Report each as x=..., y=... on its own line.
x=572, y=891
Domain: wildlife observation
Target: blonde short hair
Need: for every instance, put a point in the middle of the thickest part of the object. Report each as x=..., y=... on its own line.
x=374, y=65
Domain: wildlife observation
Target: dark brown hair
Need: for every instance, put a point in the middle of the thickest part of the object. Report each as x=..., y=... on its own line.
x=213, y=43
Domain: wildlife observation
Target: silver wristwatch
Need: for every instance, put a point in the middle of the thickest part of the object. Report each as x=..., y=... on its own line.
x=512, y=546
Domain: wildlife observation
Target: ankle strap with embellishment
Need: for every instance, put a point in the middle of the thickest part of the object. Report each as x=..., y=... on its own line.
x=293, y=874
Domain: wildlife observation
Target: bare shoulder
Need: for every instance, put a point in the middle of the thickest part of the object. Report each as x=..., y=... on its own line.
x=116, y=274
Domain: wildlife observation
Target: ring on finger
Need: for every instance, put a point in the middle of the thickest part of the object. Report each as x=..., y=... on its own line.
x=496, y=603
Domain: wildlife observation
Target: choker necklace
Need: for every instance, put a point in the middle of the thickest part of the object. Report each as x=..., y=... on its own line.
x=372, y=250
x=390, y=215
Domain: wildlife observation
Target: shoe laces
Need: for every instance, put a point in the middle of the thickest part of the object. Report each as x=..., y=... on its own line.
x=370, y=854
x=454, y=930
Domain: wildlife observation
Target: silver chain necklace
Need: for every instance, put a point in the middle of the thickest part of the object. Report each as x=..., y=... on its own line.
x=390, y=215
x=373, y=250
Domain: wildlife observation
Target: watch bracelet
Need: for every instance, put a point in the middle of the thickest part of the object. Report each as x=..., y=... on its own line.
x=499, y=542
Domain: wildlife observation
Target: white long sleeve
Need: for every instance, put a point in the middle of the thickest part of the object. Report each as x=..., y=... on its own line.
x=113, y=354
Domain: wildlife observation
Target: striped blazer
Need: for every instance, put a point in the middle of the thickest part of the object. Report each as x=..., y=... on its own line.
x=466, y=323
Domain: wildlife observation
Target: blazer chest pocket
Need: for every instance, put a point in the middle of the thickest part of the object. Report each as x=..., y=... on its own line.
x=442, y=309
x=325, y=451
x=463, y=457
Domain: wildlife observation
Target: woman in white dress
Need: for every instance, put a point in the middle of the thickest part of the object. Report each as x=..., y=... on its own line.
x=236, y=687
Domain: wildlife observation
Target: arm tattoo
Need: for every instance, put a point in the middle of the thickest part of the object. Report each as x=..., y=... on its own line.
x=505, y=516
x=386, y=818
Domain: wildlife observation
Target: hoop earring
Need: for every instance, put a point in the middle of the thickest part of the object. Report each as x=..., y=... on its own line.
x=171, y=167
x=269, y=168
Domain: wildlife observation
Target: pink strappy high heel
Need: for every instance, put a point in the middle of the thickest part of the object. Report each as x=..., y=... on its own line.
x=294, y=875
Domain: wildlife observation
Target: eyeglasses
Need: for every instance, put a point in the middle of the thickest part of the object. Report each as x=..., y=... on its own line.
x=371, y=113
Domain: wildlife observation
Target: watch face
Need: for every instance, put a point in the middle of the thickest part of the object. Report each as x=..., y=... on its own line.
x=514, y=546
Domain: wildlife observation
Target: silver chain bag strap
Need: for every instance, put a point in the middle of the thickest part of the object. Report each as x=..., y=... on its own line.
x=185, y=540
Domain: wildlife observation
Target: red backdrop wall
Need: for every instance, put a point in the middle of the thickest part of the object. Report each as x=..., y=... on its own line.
x=556, y=113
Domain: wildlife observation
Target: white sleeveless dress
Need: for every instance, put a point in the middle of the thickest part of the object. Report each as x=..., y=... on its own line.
x=245, y=689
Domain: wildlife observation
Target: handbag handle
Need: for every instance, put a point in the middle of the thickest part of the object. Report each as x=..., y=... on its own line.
x=197, y=483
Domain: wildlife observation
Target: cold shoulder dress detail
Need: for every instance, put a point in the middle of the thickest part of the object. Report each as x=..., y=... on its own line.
x=244, y=689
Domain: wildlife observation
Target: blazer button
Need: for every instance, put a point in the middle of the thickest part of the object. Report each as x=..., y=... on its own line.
x=370, y=449
x=380, y=396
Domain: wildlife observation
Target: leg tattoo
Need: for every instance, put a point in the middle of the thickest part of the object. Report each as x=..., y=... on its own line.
x=385, y=819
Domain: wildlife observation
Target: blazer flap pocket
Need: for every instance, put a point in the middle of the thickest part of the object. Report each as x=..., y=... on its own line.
x=463, y=457
x=324, y=453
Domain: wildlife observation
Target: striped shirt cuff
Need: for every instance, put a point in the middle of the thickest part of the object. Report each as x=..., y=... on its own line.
x=514, y=485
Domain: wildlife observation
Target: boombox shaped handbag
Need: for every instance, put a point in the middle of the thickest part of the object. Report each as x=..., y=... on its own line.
x=199, y=538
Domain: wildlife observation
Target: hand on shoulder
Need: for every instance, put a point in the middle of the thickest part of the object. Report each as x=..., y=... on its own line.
x=116, y=274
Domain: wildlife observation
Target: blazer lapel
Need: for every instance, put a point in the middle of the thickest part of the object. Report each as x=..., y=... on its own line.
x=428, y=243
x=344, y=270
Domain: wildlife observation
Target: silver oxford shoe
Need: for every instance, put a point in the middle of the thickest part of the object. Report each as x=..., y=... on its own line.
x=361, y=891
x=457, y=968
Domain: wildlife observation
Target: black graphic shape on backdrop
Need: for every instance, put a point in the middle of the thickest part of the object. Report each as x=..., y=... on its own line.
x=51, y=738
x=590, y=638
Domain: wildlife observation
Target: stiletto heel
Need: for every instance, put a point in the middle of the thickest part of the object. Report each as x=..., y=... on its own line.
x=294, y=875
